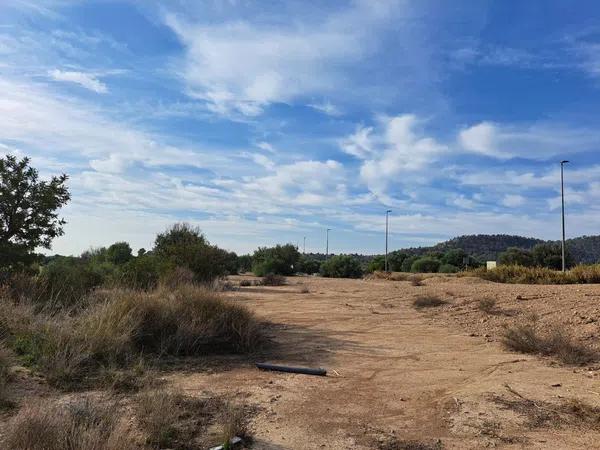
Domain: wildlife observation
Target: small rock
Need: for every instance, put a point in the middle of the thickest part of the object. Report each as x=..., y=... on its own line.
x=556, y=385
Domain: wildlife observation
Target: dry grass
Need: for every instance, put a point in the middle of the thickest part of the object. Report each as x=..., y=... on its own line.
x=82, y=424
x=487, y=305
x=120, y=325
x=542, y=414
x=273, y=279
x=416, y=280
x=171, y=420
x=428, y=301
x=233, y=423
x=5, y=364
x=393, y=443
x=559, y=344
x=538, y=275
x=304, y=289
x=393, y=276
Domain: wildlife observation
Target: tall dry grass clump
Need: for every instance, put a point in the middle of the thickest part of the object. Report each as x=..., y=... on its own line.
x=118, y=326
x=558, y=343
x=538, y=275
x=81, y=424
x=5, y=363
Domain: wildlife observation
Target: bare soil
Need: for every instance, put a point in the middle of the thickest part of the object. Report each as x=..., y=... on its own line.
x=397, y=376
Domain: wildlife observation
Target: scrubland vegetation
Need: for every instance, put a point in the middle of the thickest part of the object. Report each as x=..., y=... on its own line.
x=539, y=275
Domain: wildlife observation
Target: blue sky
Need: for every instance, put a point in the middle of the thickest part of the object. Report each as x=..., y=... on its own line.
x=264, y=122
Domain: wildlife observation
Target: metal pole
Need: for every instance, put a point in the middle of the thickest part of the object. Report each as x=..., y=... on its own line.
x=562, y=196
x=304, y=247
x=327, y=245
x=386, y=238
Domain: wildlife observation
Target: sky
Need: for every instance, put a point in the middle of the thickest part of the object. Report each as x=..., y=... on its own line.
x=267, y=122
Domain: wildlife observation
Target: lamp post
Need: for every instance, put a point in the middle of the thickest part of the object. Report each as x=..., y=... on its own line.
x=304, y=246
x=562, y=197
x=387, y=213
x=327, y=244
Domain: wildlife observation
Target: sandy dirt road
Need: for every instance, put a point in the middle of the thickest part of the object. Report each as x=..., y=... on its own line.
x=393, y=371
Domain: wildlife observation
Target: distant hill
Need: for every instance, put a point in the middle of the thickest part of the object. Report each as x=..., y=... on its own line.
x=487, y=247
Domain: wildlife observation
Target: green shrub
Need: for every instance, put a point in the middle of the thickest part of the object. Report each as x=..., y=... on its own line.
x=550, y=256
x=448, y=268
x=272, y=279
x=280, y=260
x=425, y=264
x=309, y=266
x=341, y=266
x=407, y=263
x=66, y=280
x=516, y=256
x=185, y=246
x=455, y=257
x=119, y=253
x=376, y=264
x=395, y=260
x=144, y=272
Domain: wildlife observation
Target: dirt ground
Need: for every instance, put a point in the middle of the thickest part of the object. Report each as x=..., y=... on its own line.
x=400, y=377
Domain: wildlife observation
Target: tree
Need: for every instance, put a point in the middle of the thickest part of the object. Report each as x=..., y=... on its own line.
x=185, y=246
x=376, y=264
x=550, y=256
x=28, y=211
x=119, y=253
x=425, y=264
x=309, y=265
x=280, y=260
x=341, y=266
x=516, y=256
x=455, y=257
x=407, y=263
x=395, y=260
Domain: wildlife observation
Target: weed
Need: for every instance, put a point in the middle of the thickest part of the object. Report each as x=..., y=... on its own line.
x=233, y=423
x=304, y=289
x=416, y=280
x=82, y=424
x=525, y=339
x=428, y=301
x=538, y=275
x=487, y=305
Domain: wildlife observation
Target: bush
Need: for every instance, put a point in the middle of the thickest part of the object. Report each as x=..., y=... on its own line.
x=538, y=275
x=455, y=257
x=119, y=253
x=377, y=264
x=525, y=339
x=341, y=266
x=185, y=246
x=120, y=325
x=395, y=260
x=448, y=268
x=428, y=302
x=408, y=262
x=416, y=280
x=280, y=260
x=516, y=256
x=550, y=256
x=144, y=272
x=309, y=266
x=272, y=279
x=487, y=305
x=425, y=265
x=65, y=281
x=80, y=424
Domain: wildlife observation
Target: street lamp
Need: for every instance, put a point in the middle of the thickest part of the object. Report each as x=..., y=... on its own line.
x=562, y=196
x=304, y=246
x=387, y=213
x=327, y=244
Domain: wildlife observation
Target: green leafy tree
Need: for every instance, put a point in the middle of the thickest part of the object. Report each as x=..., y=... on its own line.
x=341, y=266
x=376, y=264
x=425, y=264
x=185, y=246
x=516, y=256
x=309, y=265
x=119, y=253
x=28, y=211
x=279, y=260
x=455, y=257
x=407, y=263
x=448, y=268
x=550, y=256
x=395, y=260
x=244, y=263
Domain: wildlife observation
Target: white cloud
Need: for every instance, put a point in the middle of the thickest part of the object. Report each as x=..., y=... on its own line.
x=85, y=80
x=535, y=142
x=241, y=67
x=513, y=200
x=327, y=108
x=397, y=152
